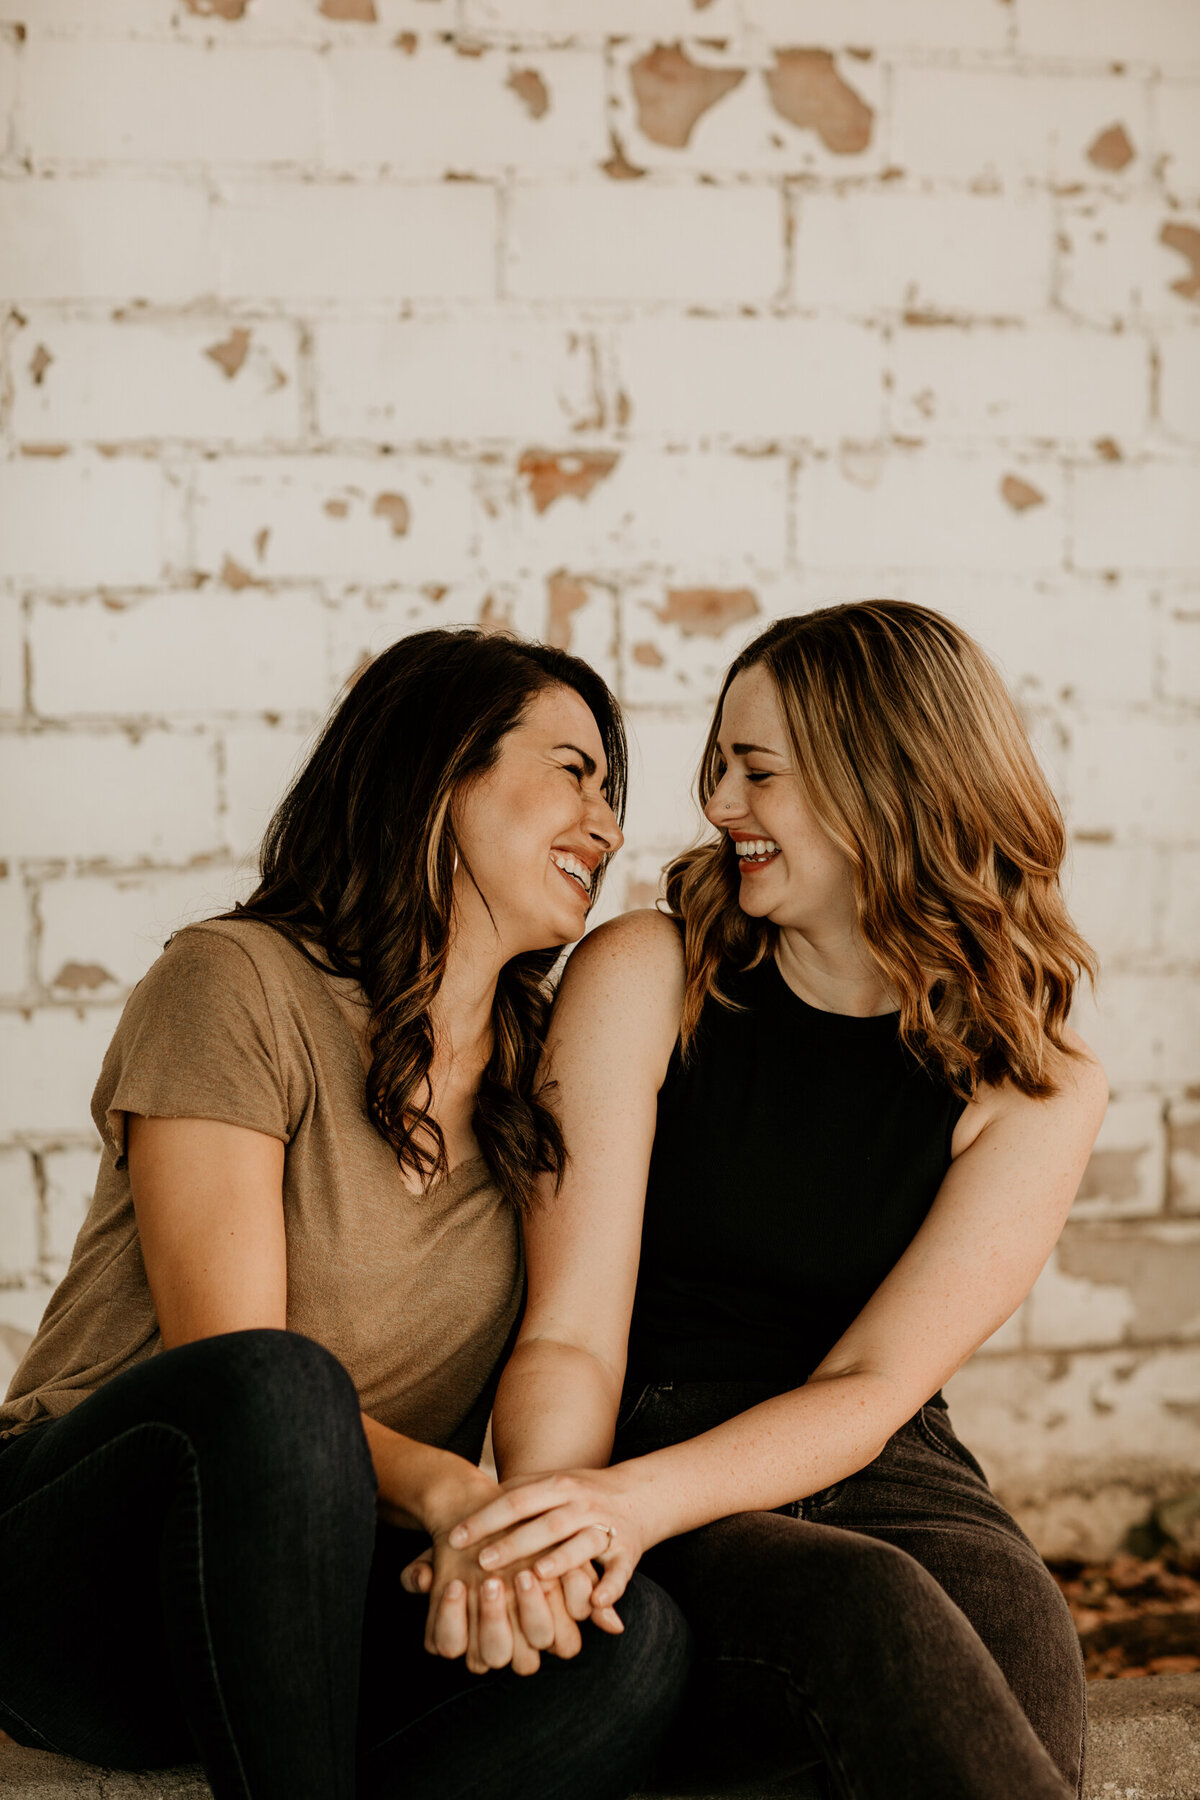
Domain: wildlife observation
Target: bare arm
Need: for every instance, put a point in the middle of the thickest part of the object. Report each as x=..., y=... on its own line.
x=209, y=1204
x=615, y=1021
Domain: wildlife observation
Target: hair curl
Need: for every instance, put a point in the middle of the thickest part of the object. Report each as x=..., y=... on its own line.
x=918, y=767
x=358, y=862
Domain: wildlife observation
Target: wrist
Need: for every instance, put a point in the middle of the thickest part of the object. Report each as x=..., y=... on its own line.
x=453, y=1490
x=645, y=1492
x=419, y=1486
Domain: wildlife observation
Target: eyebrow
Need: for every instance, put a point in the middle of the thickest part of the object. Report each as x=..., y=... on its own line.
x=750, y=749
x=589, y=763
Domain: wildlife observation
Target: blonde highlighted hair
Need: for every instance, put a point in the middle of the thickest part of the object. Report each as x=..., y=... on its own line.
x=915, y=761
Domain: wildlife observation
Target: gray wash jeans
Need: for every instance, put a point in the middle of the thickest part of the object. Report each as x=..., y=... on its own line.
x=896, y=1635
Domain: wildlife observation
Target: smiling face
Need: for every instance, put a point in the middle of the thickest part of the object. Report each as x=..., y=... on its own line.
x=533, y=828
x=790, y=870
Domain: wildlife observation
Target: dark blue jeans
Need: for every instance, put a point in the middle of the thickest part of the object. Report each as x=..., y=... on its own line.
x=190, y=1567
x=897, y=1634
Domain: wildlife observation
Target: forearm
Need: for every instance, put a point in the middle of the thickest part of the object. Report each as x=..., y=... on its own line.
x=782, y=1450
x=422, y=1488
x=556, y=1408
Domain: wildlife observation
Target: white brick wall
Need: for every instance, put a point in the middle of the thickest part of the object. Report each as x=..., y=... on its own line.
x=318, y=332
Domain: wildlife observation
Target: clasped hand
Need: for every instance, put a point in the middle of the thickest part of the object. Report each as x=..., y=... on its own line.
x=513, y=1577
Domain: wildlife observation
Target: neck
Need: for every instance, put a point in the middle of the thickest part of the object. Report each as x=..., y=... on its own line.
x=462, y=1009
x=832, y=971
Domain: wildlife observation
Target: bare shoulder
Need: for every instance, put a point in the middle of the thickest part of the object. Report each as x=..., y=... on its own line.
x=624, y=983
x=637, y=945
x=1075, y=1109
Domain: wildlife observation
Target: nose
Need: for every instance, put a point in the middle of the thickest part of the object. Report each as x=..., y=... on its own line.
x=602, y=827
x=724, y=804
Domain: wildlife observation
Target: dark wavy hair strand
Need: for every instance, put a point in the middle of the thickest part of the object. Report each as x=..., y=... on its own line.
x=357, y=867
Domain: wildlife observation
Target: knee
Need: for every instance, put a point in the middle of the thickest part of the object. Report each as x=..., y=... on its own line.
x=879, y=1575
x=278, y=1398
x=654, y=1653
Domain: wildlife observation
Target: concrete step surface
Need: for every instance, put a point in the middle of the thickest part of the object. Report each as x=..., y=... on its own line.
x=1143, y=1744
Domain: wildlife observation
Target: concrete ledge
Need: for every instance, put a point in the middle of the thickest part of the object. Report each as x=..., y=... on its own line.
x=1143, y=1744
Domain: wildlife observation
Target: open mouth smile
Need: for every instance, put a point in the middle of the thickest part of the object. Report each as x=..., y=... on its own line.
x=573, y=870
x=755, y=853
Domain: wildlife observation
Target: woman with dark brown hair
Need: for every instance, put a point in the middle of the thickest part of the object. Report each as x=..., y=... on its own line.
x=825, y=1121
x=263, y=1383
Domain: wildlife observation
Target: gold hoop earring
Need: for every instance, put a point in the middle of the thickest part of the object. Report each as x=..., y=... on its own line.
x=454, y=870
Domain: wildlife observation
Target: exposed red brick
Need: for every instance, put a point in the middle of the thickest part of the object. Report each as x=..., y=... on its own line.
x=337, y=509
x=44, y=449
x=648, y=655
x=624, y=407
x=618, y=167
x=469, y=47
x=672, y=92
x=231, y=354
x=1108, y=448
x=707, y=612
x=1093, y=837
x=260, y=542
x=1111, y=149
x=565, y=595
x=80, y=977
x=806, y=90
x=1185, y=239
x=529, y=88
x=361, y=12
x=435, y=590
x=234, y=576
x=1020, y=495
x=550, y=476
x=394, y=508
x=217, y=9
x=39, y=362
x=406, y=41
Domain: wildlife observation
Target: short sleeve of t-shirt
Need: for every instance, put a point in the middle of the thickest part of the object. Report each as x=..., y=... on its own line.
x=196, y=1041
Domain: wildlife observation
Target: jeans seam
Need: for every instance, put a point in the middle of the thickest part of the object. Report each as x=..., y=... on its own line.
x=828, y=1749
x=28, y=1725
x=622, y=1424
x=930, y=1438
x=101, y=1450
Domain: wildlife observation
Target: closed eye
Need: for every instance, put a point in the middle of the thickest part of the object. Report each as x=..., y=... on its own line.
x=762, y=775
x=575, y=769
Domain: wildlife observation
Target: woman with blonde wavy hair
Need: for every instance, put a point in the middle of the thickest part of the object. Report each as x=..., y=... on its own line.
x=824, y=1119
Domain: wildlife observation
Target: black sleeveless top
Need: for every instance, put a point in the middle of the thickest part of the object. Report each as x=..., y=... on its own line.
x=795, y=1156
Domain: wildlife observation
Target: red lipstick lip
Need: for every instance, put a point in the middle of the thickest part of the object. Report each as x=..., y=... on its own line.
x=746, y=867
x=577, y=885
x=589, y=858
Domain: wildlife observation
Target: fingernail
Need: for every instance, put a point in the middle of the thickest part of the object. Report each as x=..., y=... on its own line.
x=546, y=1566
x=525, y=1580
x=455, y=1590
x=610, y=1612
x=459, y=1536
x=488, y=1557
x=492, y=1589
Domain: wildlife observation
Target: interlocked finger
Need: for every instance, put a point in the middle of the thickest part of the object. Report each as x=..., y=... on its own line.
x=533, y=1611
x=447, y=1628
x=494, y=1642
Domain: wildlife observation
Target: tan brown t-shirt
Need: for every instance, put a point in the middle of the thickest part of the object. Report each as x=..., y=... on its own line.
x=416, y=1294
